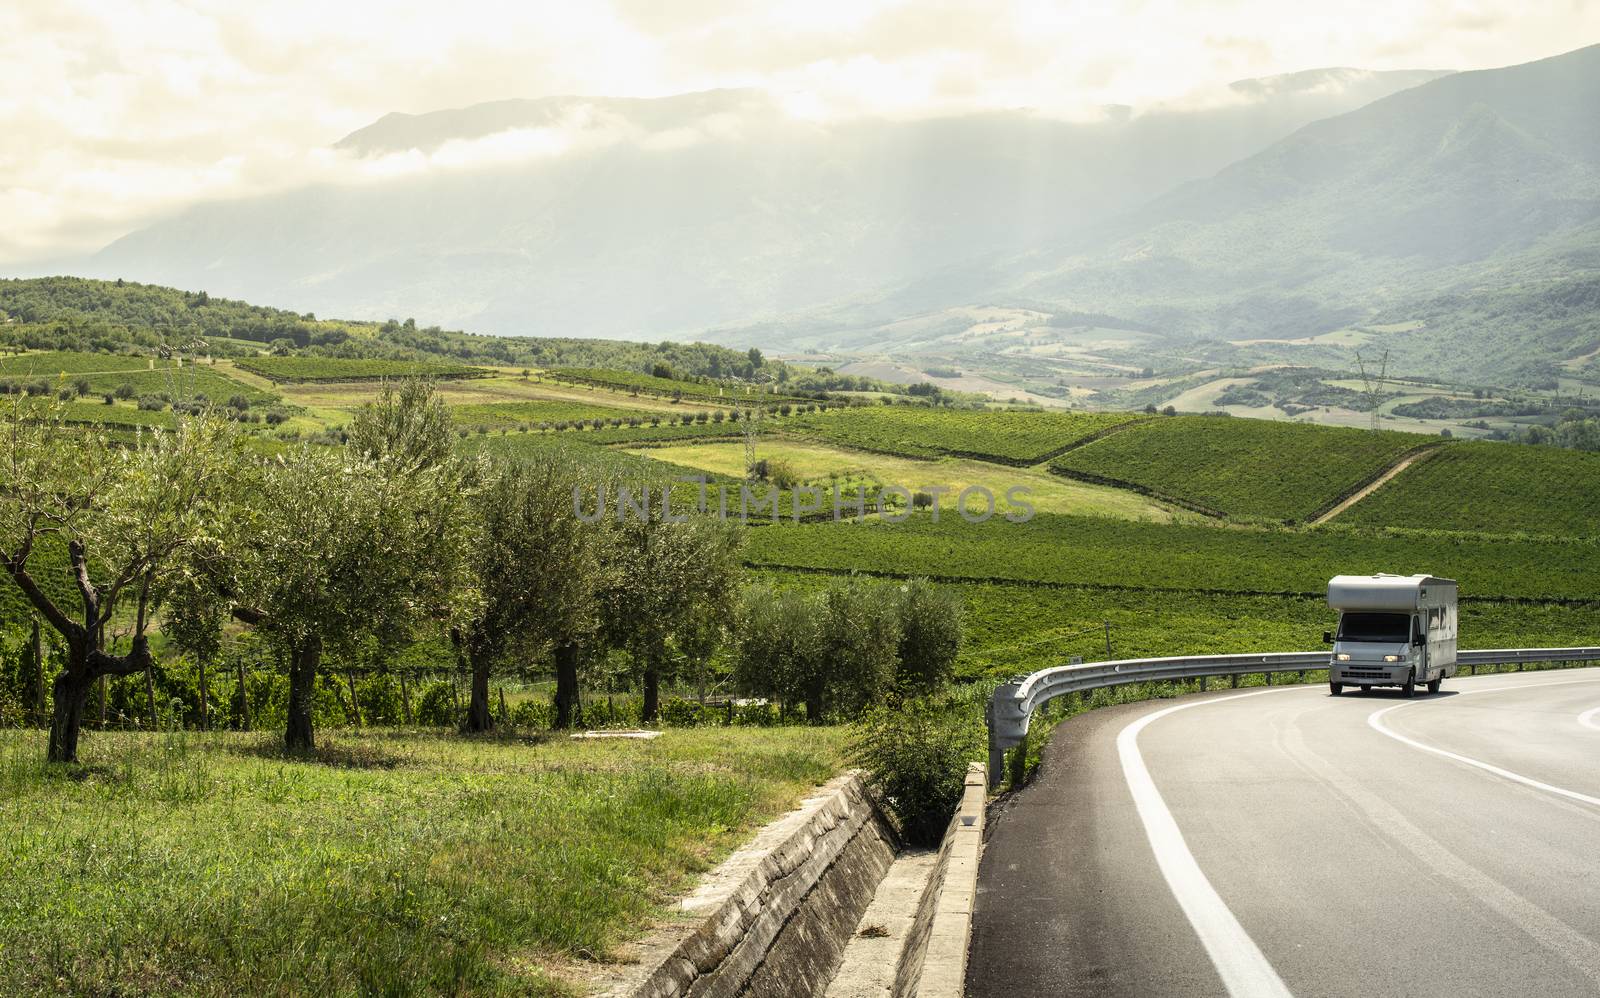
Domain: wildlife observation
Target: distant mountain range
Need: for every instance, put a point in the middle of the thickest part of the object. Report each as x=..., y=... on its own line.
x=1452, y=217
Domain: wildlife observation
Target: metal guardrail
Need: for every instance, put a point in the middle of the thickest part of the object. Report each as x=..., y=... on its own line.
x=1013, y=702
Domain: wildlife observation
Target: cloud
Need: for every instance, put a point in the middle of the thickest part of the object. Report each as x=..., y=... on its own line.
x=115, y=113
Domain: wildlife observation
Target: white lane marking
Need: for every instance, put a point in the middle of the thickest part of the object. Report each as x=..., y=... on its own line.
x=1239, y=961
x=1375, y=720
x=1590, y=718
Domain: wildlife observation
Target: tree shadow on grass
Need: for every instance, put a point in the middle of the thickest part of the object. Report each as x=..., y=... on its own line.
x=338, y=755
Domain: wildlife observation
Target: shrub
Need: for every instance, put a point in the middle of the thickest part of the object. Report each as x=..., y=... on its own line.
x=277, y=417
x=80, y=386
x=238, y=402
x=677, y=712
x=756, y=715
x=535, y=713
x=915, y=754
x=149, y=403
x=436, y=707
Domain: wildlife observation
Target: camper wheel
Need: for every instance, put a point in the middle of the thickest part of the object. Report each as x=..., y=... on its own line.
x=1433, y=685
x=1335, y=688
x=1409, y=687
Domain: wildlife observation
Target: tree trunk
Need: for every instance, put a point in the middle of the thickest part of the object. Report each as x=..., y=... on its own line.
x=355, y=701
x=303, y=662
x=652, y=693
x=244, y=699
x=105, y=695
x=71, y=696
x=36, y=696
x=567, y=707
x=150, y=695
x=478, y=716
x=205, y=699
x=405, y=698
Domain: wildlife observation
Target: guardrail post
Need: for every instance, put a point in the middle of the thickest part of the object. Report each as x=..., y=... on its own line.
x=1268, y=677
x=1235, y=680
x=1008, y=726
x=1203, y=683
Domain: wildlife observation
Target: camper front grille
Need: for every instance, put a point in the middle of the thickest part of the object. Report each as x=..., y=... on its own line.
x=1364, y=674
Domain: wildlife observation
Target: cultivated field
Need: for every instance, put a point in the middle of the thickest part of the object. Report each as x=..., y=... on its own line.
x=1240, y=467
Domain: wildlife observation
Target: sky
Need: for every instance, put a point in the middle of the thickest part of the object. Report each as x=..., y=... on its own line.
x=113, y=112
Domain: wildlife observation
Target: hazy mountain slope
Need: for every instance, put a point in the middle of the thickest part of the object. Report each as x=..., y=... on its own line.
x=669, y=216
x=1473, y=186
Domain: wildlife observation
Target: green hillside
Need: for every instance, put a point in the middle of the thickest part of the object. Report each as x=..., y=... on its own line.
x=1491, y=488
x=1096, y=551
x=1240, y=467
x=1009, y=437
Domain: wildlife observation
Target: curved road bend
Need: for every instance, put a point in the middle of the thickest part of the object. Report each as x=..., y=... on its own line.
x=1285, y=842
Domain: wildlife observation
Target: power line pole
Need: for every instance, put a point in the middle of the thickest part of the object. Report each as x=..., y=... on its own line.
x=1373, y=386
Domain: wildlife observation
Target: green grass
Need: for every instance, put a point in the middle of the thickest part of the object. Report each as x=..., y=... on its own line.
x=1246, y=468
x=310, y=369
x=823, y=465
x=1097, y=551
x=392, y=863
x=1010, y=437
x=1491, y=488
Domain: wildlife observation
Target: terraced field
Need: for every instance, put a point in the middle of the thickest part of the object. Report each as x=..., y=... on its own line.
x=1005, y=436
x=1491, y=488
x=1093, y=551
x=51, y=364
x=302, y=370
x=634, y=381
x=1245, y=468
x=510, y=415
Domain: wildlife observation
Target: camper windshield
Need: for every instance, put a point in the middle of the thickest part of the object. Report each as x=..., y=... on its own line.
x=1393, y=628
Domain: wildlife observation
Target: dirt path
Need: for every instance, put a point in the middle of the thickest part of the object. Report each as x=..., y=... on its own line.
x=1375, y=486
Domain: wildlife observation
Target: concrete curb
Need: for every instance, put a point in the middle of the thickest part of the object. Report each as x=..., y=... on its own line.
x=912, y=940
x=944, y=964
x=774, y=917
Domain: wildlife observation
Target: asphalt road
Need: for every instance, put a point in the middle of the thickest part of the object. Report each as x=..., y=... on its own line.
x=1288, y=842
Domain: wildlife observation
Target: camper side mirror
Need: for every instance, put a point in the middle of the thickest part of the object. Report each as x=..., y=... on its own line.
x=1327, y=637
x=1417, y=641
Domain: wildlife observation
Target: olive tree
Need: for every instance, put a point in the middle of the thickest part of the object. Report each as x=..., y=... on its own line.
x=670, y=578
x=930, y=635
x=122, y=518
x=779, y=653
x=540, y=570
x=334, y=547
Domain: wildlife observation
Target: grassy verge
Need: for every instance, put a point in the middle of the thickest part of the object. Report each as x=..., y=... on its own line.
x=394, y=862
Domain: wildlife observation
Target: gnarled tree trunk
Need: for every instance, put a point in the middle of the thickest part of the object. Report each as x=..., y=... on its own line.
x=568, y=709
x=71, y=689
x=304, y=659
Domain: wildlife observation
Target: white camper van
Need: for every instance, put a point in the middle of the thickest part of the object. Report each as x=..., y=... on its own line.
x=1394, y=630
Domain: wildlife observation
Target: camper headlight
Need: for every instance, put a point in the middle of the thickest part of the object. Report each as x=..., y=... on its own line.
x=1391, y=658
x=1342, y=657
